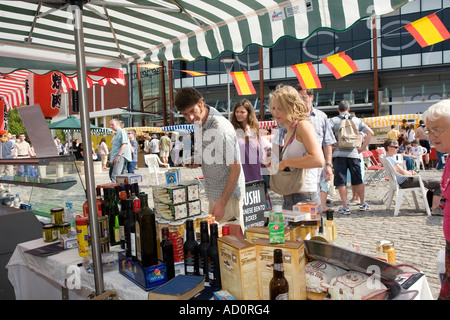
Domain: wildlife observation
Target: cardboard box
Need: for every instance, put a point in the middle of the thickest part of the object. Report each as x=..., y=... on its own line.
x=238, y=267
x=169, y=194
x=129, y=178
x=256, y=232
x=276, y=227
x=304, y=230
x=146, y=278
x=192, y=190
x=171, y=212
x=293, y=263
x=307, y=207
x=223, y=295
x=194, y=208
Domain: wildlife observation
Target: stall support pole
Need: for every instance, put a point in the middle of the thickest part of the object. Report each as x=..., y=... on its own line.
x=88, y=161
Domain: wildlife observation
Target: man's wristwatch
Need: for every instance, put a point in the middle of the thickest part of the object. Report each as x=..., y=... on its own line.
x=329, y=165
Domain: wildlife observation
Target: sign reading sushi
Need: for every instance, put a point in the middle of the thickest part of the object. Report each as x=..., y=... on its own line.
x=254, y=204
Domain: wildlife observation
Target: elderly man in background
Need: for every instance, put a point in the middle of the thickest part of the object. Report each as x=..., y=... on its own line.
x=120, y=150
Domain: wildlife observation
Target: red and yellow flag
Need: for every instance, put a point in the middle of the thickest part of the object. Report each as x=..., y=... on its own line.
x=340, y=65
x=243, y=84
x=307, y=76
x=428, y=30
x=194, y=73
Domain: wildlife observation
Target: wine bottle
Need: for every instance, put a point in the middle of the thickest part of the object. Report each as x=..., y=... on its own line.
x=122, y=218
x=203, y=250
x=167, y=253
x=279, y=287
x=130, y=231
x=113, y=215
x=213, y=258
x=190, y=249
x=134, y=194
x=146, y=249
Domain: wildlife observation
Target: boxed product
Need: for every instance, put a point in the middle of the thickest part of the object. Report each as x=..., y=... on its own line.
x=223, y=295
x=257, y=232
x=306, y=229
x=173, y=177
x=146, y=278
x=69, y=240
x=129, y=178
x=169, y=194
x=296, y=216
x=307, y=207
x=238, y=267
x=293, y=263
x=171, y=211
x=192, y=190
x=194, y=208
x=276, y=227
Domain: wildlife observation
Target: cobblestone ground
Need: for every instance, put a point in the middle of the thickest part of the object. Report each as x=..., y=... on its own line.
x=417, y=237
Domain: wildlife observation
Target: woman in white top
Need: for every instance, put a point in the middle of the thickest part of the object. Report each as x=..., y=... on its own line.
x=303, y=150
x=103, y=150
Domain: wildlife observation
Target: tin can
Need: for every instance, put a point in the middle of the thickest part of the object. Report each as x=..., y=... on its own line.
x=177, y=226
x=57, y=216
x=82, y=236
x=50, y=233
x=102, y=227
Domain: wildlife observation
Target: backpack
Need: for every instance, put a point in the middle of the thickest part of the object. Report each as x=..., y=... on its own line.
x=348, y=134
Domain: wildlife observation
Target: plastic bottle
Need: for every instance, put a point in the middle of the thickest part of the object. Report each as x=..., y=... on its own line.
x=69, y=215
x=16, y=202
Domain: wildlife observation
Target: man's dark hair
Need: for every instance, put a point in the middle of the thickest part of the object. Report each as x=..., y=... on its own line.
x=298, y=87
x=388, y=143
x=343, y=106
x=186, y=98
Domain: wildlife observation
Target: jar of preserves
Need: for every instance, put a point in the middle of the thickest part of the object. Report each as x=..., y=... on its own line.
x=50, y=232
x=64, y=228
x=57, y=216
x=388, y=248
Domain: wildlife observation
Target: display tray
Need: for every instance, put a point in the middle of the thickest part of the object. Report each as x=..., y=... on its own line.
x=355, y=261
x=63, y=183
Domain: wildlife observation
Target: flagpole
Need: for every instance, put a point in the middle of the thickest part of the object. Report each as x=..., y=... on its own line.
x=228, y=68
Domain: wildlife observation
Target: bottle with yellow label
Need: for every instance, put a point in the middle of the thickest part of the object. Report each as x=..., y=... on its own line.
x=330, y=228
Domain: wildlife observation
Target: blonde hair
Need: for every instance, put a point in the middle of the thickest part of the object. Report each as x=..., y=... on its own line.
x=289, y=102
x=440, y=110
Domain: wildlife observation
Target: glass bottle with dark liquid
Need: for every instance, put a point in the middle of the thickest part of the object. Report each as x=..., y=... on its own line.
x=279, y=287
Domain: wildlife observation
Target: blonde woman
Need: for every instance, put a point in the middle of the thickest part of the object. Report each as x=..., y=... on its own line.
x=302, y=149
x=103, y=150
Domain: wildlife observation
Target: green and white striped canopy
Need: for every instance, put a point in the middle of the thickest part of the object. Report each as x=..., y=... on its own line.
x=39, y=35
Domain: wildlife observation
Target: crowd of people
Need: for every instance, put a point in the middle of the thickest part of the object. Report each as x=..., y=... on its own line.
x=234, y=152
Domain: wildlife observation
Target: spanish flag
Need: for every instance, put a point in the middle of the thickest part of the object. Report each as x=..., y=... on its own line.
x=194, y=73
x=428, y=30
x=243, y=84
x=340, y=65
x=307, y=76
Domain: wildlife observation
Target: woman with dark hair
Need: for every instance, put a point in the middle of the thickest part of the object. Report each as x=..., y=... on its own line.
x=246, y=124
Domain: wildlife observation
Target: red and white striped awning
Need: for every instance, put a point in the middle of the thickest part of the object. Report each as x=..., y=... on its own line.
x=100, y=77
x=267, y=124
x=12, y=88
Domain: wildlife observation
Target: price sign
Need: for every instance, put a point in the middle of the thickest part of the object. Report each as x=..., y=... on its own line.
x=254, y=204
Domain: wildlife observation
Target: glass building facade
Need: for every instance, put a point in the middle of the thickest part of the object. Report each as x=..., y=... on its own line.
x=410, y=78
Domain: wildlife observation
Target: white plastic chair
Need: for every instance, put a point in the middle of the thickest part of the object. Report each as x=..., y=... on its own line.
x=400, y=160
x=153, y=162
x=418, y=161
x=395, y=188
